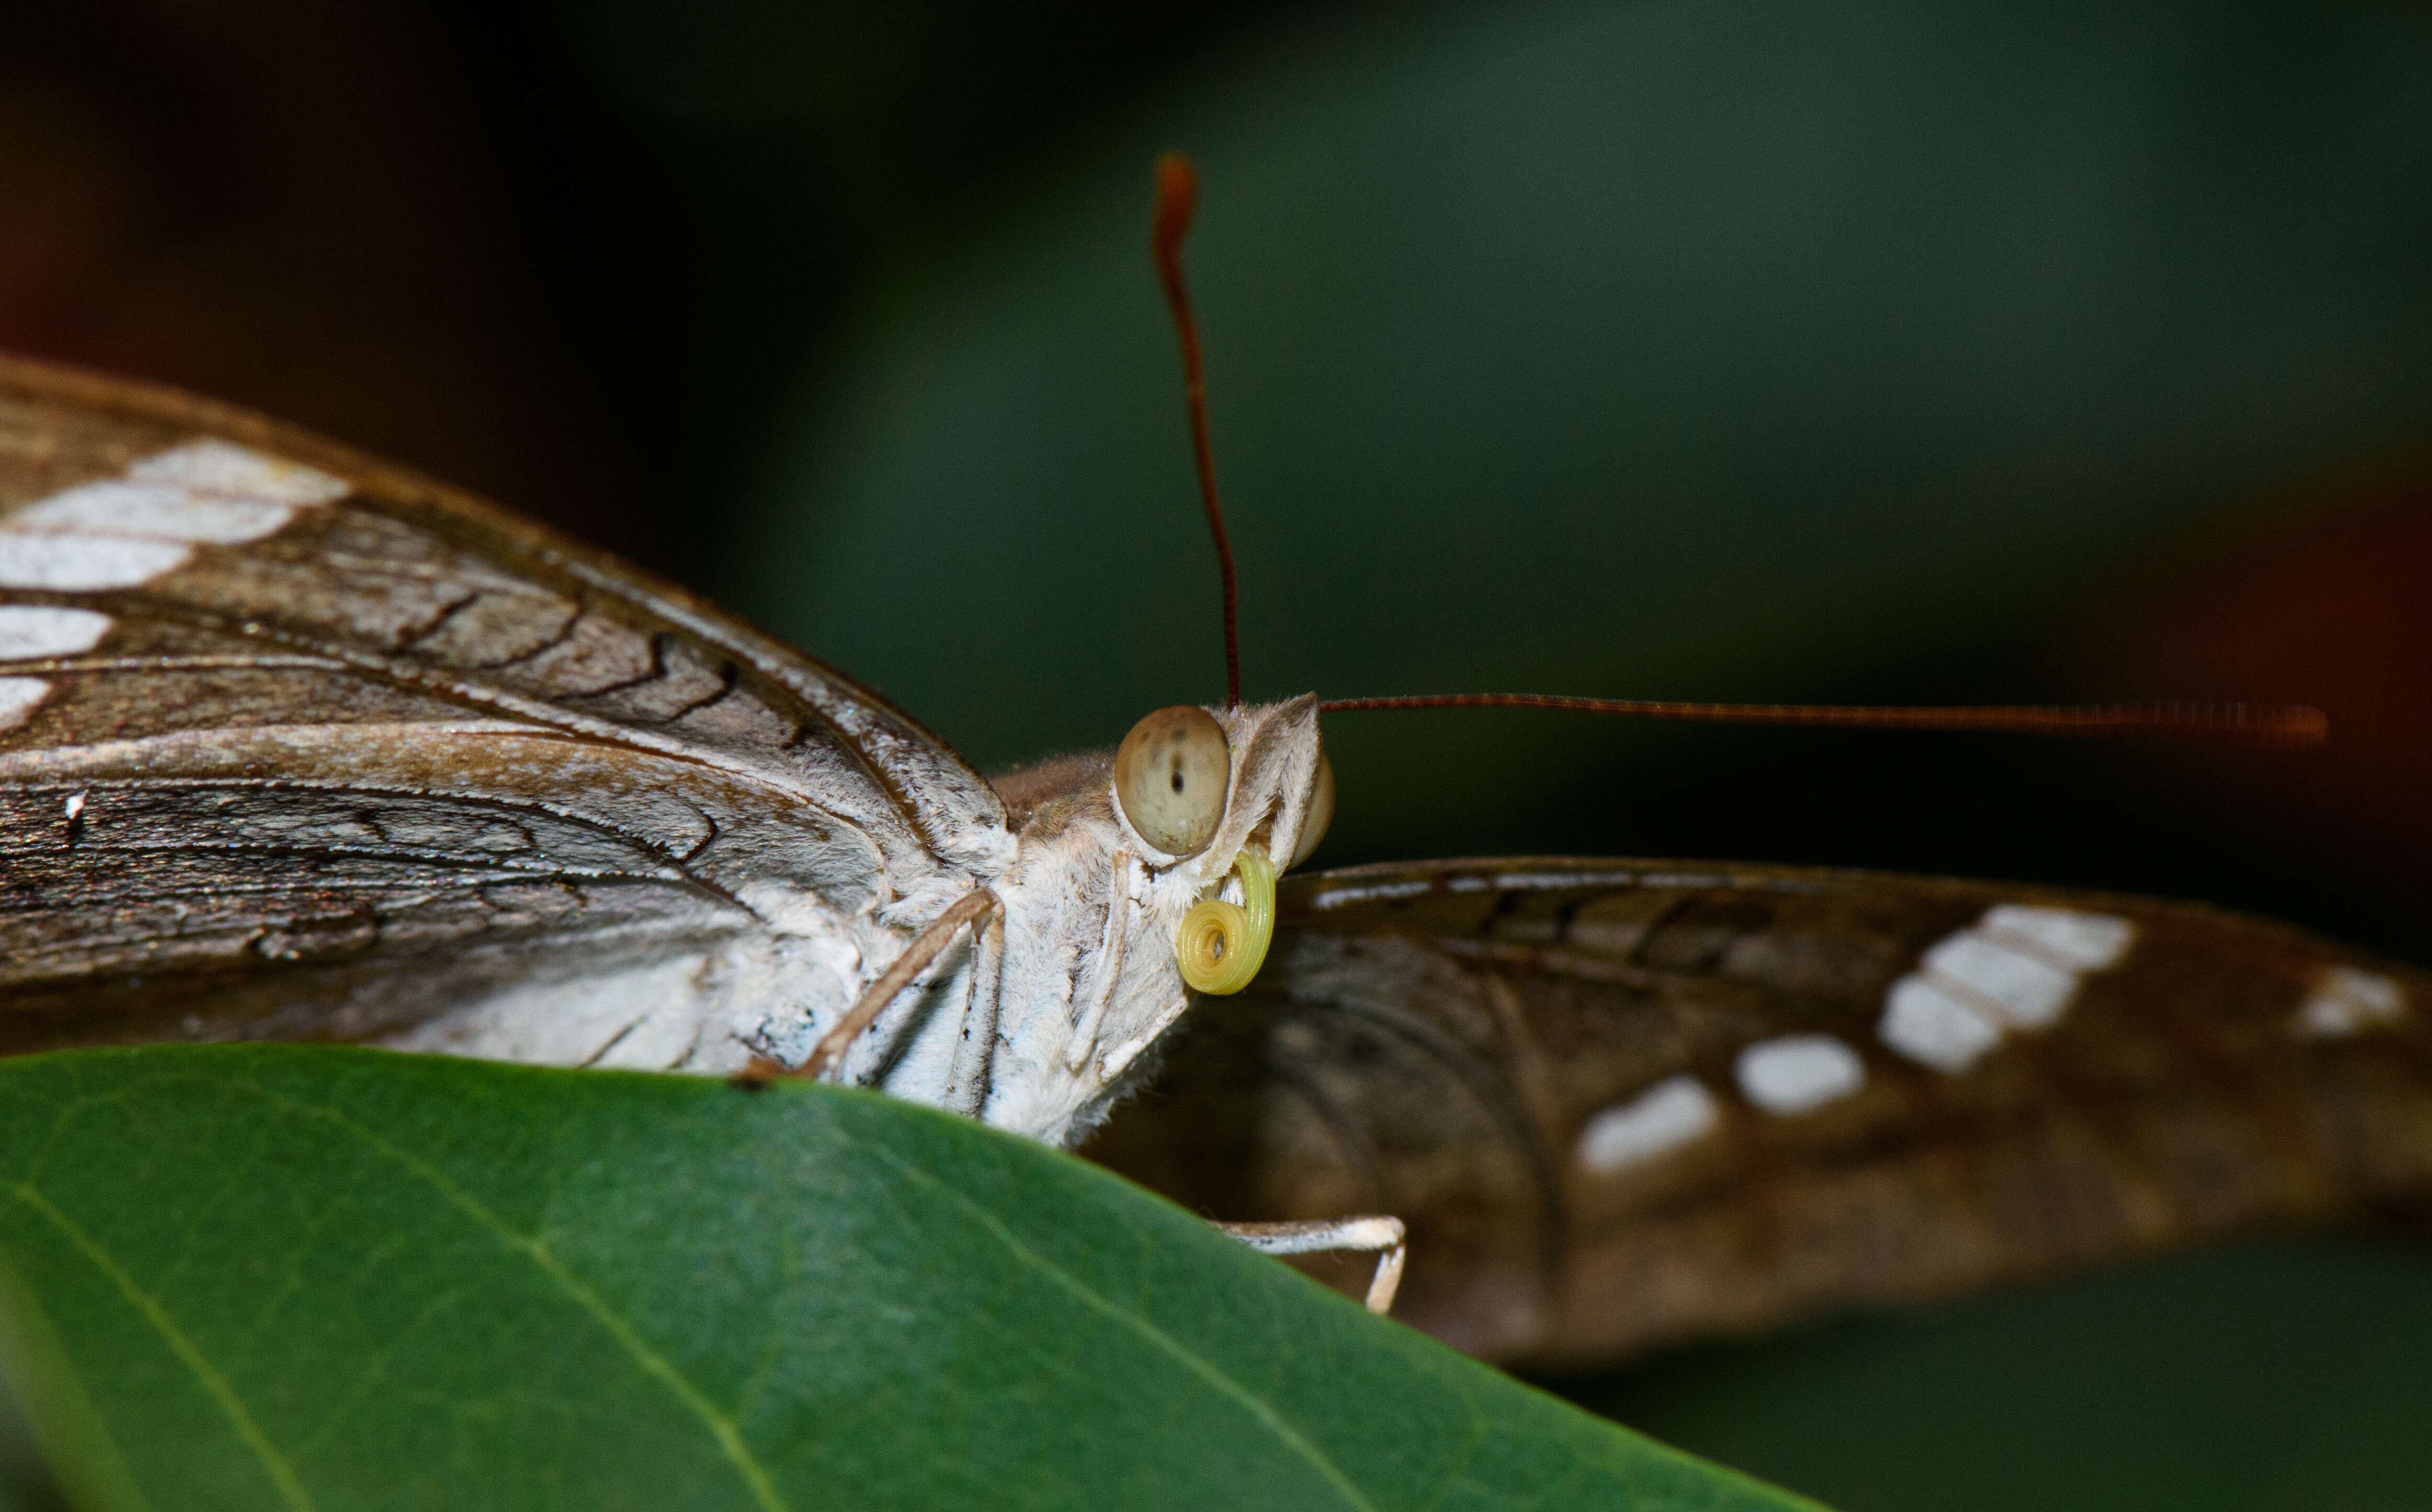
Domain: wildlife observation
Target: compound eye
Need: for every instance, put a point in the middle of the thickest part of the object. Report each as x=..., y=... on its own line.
x=1321, y=812
x=1170, y=776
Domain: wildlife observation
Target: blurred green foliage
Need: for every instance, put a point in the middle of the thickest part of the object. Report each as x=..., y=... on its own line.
x=1655, y=351
x=2282, y=1375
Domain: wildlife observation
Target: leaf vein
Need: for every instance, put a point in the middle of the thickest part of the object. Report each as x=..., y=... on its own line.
x=1166, y=1343
x=722, y=1429
x=281, y=1473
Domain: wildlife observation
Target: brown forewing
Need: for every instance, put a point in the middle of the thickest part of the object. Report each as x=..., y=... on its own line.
x=1436, y=1041
x=403, y=726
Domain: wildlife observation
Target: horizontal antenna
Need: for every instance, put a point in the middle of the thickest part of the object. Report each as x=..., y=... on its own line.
x=2238, y=723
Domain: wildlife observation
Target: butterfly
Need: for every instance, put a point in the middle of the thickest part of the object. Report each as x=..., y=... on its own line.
x=295, y=743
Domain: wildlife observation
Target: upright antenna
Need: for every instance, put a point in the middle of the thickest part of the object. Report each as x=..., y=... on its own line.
x=1178, y=195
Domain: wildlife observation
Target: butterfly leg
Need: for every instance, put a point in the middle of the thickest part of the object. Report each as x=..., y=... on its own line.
x=926, y=947
x=1365, y=1235
x=1109, y=960
x=967, y=1080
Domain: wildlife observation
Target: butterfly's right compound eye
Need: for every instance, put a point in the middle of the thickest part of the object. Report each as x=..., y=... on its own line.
x=1171, y=774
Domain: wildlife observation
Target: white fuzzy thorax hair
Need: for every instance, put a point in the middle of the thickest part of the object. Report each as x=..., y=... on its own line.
x=1087, y=980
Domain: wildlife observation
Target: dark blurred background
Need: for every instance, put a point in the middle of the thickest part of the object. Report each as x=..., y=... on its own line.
x=1902, y=352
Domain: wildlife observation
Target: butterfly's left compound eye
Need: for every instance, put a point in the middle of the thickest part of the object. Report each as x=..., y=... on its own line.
x=1170, y=776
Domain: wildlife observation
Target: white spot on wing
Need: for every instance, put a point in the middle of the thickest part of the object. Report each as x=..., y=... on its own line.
x=1933, y=1028
x=2348, y=1001
x=75, y=562
x=18, y=696
x=75, y=804
x=28, y=631
x=2023, y=991
x=127, y=531
x=1798, y=1073
x=154, y=511
x=220, y=467
x=2089, y=942
x=1674, y=1112
x=2018, y=967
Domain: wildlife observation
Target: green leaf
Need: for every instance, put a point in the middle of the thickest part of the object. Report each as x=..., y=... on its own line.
x=288, y=1277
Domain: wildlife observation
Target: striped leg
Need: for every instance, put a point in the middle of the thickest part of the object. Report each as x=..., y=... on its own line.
x=1370, y=1234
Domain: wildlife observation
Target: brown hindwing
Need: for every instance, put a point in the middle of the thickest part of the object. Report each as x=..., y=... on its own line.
x=1625, y=1103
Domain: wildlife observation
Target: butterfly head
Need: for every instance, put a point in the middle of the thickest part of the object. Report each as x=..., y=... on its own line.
x=1203, y=795
x=1148, y=880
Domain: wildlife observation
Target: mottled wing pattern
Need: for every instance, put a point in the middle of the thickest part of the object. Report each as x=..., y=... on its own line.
x=1625, y=1103
x=292, y=742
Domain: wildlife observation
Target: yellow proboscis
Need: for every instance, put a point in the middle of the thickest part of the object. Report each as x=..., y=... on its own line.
x=1221, y=945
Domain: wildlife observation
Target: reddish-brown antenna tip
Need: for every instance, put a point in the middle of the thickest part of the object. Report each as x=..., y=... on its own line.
x=1178, y=193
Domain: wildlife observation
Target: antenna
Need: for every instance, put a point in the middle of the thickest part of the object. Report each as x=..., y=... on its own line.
x=2286, y=725
x=1178, y=195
